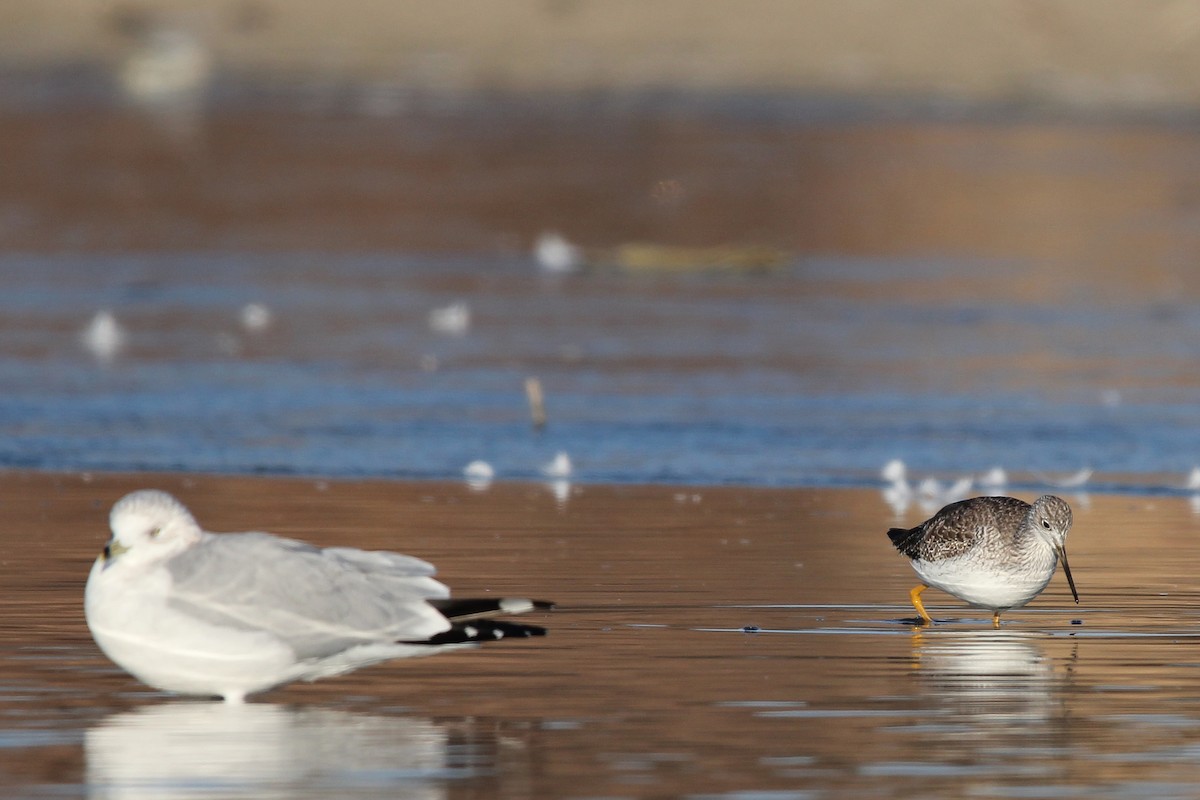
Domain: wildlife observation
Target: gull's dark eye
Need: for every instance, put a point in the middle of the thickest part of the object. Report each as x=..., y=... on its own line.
x=155, y=531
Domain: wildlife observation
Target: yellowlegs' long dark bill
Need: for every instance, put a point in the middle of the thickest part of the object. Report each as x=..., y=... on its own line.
x=1062, y=553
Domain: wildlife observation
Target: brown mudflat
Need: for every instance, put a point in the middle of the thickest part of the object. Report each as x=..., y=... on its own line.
x=653, y=680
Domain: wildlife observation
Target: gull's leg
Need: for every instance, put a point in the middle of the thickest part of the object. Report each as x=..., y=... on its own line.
x=915, y=597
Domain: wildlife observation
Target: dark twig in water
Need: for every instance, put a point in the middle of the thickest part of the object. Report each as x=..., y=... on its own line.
x=537, y=407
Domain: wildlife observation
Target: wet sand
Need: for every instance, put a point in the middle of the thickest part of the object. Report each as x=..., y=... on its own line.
x=647, y=684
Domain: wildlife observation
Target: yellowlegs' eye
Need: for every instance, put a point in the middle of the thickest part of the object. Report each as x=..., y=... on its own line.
x=1046, y=524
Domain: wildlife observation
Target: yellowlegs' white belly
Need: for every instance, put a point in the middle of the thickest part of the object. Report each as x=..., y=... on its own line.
x=986, y=585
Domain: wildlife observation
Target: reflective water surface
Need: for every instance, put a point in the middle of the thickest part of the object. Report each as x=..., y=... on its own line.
x=816, y=374
x=716, y=642
x=961, y=294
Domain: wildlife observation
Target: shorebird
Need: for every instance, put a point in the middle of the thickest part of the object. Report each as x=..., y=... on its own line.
x=992, y=552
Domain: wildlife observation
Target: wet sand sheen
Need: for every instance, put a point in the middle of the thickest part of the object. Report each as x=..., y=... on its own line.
x=647, y=684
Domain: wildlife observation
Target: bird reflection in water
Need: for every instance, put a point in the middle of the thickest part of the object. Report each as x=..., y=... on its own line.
x=185, y=749
x=989, y=677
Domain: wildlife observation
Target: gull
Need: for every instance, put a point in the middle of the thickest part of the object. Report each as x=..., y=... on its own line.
x=255, y=317
x=234, y=614
x=479, y=475
x=556, y=254
x=894, y=471
x=559, y=468
x=1072, y=481
x=1193, y=480
x=932, y=494
x=103, y=337
x=897, y=494
x=959, y=489
x=452, y=320
x=170, y=67
x=559, y=472
x=994, y=480
x=168, y=75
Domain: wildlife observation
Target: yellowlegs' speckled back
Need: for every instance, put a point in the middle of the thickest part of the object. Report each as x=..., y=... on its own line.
x=993, y=552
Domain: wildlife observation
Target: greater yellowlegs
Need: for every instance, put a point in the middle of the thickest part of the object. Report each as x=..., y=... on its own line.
x=993, y=552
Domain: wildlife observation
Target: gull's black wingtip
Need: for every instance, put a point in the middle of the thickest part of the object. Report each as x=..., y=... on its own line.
x=459, y=609
x=486, y=630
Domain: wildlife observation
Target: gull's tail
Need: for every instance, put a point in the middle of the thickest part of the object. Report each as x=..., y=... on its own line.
x=458, y=610
x=471, y=620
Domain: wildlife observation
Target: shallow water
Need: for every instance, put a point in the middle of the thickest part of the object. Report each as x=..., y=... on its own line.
x=653, y=681
x=814, y=375
x=957, y=293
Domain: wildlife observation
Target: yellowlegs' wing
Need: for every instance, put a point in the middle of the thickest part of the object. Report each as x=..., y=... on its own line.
x=959, y=526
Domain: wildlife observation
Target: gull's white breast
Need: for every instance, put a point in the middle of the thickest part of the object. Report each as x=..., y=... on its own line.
x=132, y=622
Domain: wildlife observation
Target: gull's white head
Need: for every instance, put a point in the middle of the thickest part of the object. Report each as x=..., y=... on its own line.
x=148, y=525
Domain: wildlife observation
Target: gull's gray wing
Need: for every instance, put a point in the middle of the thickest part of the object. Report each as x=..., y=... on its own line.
x=317, y=601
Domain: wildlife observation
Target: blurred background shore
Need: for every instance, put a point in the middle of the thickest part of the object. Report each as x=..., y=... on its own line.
x=762, y=242
x=1086, y=55
x=1058, y=131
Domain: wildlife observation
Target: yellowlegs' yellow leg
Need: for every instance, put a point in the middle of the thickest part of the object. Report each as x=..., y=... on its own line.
x=915, y=597
x=995, y=619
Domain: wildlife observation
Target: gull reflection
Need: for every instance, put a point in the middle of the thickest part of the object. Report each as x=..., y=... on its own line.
x=559, y=473
x=182, y=749
x=561, y=489
x=987, y=676
x=479, y=475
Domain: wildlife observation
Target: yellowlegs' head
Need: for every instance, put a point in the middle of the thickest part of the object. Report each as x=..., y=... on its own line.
x=149, y=525
x=1050, y=518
